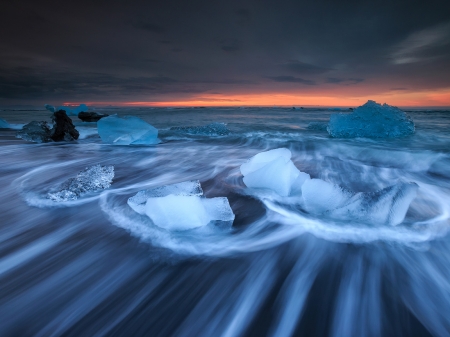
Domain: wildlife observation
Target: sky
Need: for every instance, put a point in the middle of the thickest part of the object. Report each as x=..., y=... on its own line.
x=219, y=53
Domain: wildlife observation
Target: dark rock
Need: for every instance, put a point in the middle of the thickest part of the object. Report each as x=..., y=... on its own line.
x=38, y=132
x=91, y=116
x=63, y=130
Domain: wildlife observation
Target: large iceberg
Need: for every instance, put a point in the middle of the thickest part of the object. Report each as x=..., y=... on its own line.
x=273, y=170
x=4, y=124
x=91, y=179
x=181, y=206
x=371, y=120
x=213, y=129
x=126, y=130
x=384, y=207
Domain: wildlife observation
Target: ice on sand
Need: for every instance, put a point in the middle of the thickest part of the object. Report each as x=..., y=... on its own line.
x=273, y=170
x=126, y=130
x=91, y=179
x=371, y=120
x=38, y=132
x=181, y=206
x=384, y=207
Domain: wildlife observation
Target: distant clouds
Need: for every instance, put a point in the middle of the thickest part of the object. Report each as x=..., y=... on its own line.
x=115, y=50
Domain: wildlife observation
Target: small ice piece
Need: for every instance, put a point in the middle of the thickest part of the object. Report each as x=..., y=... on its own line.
x=181, y=206
x=384, y=207
x=273, y=170
x=4, y=124
x=387, y=206
x=371, y=120
x=320, y=196
x=91, y=179
x=213, y=129
x=186, y=188
x=73, y=111
x=38, y=132
x=50, y=108
x=126, y=130
x=319, y=126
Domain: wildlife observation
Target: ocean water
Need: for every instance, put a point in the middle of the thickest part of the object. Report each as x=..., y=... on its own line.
x=93, y=267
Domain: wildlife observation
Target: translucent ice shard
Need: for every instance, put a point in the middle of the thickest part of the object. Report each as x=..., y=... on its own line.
x=38, y=132
x=213, y=129
x=273, y=170
x=387, y=206
x=126, y=130
x=91, y=179
x=4, y=124
x=181, y=206
x=371, y=120
x=321, y=196
x=384, y=207
x=186, y=188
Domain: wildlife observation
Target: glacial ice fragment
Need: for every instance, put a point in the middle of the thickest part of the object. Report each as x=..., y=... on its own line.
x=91, y=179
x=186, y=188
x=38, y=132
x=126, y=130
x=4, y=124
x=384, y=207
x=72, y=111
x=319, y=126
x=371, y=120
x=49, y=107
x=213, y=129
x=273, y=170
x=180, y=206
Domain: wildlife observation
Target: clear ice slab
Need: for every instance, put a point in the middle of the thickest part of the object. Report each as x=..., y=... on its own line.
x=371, y=120
x=181, y=206
x=38, y=132
x=126, y=130
x=91, y=179
x=387, y=206
x=273, y=170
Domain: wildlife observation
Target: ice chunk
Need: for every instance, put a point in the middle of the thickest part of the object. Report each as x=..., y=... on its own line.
x=73, y=111
x=273, y=170
x=186, y=188
x=213, y=129
x=384, y=207
x=38, y=132
x=263, y=158
x=4, y=124
x=181, y=206
x=318, y=126
x=371, y=120
x=91, y=179
x=320, y=196
x=50, y=108
x=387, y=206
x=126, y=130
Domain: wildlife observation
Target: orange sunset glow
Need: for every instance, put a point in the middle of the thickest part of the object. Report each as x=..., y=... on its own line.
x=438, y=98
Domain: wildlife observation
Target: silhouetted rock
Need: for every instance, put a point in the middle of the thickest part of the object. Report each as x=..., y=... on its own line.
x=91, y=116
x=63, y=128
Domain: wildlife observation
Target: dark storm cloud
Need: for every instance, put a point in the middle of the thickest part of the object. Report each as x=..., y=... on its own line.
x=150, y=27
x=304, y=68
x=344, y=81
x=291, y=79
x=104, y=49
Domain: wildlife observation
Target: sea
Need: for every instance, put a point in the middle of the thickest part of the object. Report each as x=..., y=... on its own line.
x=92, y=267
